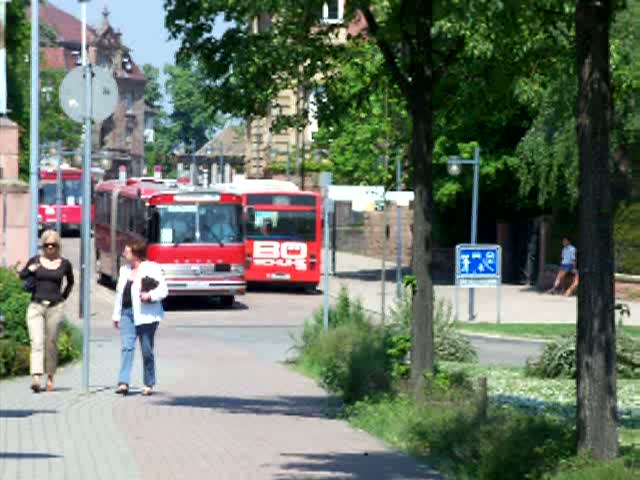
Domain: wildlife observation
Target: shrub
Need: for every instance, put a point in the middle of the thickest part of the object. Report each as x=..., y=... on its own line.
x=586, y=468
x=10, y=284
x=450, y=345
x=558, y=359
x=346, y=311
x=14, y=310
x=69, y=343
x=352, y=361
x=627, y=239
x=15, y=357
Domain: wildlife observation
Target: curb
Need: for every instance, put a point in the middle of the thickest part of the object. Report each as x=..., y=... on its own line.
x=623, y=277
x=506, y=338
x=488, y=336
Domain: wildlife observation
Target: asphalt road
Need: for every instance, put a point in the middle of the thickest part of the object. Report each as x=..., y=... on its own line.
x=264, y=323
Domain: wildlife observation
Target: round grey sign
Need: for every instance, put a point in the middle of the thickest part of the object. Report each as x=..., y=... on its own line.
x=104, y=94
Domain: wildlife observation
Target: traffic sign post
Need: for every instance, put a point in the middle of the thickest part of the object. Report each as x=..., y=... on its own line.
x=478, y=266
x=327, y=207
x=87, y=94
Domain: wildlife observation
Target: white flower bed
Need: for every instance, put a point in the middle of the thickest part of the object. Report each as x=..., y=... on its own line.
x=510, y=387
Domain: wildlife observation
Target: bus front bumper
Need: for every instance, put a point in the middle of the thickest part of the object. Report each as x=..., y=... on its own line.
x=206, y=287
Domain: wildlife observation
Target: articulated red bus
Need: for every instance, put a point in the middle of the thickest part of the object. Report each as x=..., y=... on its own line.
x=196, y=235
x=71, y=198
x=284, y=232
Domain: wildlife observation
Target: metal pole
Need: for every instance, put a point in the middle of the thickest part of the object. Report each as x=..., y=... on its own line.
x=4, y=229
x=474, y=221
x=35, y=126
x=325, y=261
x=3, y=58
x=288, y=161
x=86, y=204
x=399, y=231
x=334, y=239
x=59, y=188
x=221, y=167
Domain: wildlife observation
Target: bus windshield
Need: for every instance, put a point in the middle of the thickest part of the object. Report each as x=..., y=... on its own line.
x=283, y=225
x=199, y=223
x=71, y=192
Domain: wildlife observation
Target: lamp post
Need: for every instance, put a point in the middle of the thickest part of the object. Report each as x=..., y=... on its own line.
x=454, y=167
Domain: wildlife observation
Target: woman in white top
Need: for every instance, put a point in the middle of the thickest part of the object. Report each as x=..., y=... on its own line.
x=137, y=313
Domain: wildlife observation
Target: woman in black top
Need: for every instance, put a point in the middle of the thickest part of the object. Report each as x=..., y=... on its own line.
x=46, y=310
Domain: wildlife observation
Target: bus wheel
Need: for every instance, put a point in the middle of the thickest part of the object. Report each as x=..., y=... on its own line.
x=227, y=301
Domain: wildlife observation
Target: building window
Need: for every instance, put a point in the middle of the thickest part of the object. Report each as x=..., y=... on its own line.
x=129, y=138
x=128, y=101
x=333, y=11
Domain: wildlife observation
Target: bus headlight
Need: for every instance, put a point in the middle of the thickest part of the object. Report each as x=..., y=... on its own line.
x=237, y=268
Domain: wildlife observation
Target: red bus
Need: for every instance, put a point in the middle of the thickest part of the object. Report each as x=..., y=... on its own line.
x=284, y=232
x=71, y=198
x=196, y=235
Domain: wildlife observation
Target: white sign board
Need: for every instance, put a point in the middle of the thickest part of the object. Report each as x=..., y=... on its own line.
x=402, y=199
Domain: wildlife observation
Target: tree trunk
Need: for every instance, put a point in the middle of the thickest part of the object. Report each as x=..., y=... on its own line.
x=422, y=353
x=596, y=348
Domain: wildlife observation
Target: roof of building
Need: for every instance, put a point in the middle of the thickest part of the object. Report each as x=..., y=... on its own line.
x=68, y=27
x=69, y=31
x=230, y=140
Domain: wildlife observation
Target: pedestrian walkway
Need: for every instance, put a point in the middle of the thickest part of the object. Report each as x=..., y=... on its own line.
x=520, y=304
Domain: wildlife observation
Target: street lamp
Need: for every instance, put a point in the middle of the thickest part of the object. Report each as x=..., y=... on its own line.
x=454, y=167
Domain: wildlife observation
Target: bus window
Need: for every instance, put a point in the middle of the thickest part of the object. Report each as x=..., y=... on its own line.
x=283, y=225
x=47, y=194
x=204, y=223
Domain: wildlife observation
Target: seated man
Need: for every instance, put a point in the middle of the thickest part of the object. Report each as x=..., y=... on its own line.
x=567, y=265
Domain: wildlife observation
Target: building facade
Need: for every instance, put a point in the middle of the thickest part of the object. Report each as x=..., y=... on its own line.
x=121, y=137
x=263, y=145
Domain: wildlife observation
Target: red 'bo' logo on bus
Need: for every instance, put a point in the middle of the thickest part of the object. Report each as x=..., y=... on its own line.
x=285, y=254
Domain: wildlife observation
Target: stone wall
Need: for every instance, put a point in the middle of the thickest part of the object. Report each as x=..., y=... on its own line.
x=14, y=216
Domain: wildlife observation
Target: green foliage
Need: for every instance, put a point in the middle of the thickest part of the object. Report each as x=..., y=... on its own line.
x=13, y=304
x=14, y=346
x=350, y=359
x=153, y=88
x=586, y=468
x=17, y=44
x=15, y=357
x=69, y=343
x=507, y=445
x=627, y=239
x=548, y=170
x=192, y=115
x=450, y=345
x=558, y=358
x=15, y=317
x=353, y=361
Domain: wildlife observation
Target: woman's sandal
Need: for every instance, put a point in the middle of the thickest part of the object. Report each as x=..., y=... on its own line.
x=147, y=391
x=122, y=390
x=35, y=387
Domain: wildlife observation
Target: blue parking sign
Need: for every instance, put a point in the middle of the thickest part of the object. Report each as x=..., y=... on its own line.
x=478, y=265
